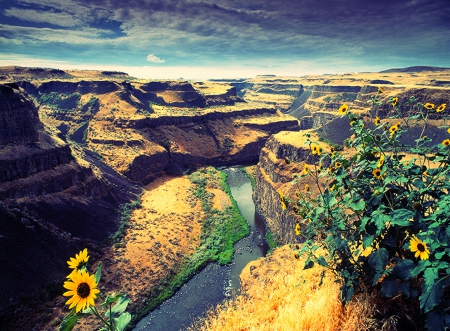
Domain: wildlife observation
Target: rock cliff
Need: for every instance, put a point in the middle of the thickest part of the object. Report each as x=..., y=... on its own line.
x=284, y=155
x=50, y=204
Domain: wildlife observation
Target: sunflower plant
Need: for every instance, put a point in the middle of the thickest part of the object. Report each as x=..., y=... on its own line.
x=383, y=211
x=82, y=291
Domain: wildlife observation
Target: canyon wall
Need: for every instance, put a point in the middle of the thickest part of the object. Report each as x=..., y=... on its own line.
x=283, y=156
x=51, y=204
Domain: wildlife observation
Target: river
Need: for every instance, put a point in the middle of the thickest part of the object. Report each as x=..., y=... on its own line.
x=214, y=283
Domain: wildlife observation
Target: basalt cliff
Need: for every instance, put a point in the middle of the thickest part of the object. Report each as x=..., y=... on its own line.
x=51, y=202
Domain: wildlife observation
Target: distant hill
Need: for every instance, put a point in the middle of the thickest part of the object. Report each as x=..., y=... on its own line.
x=415, y=69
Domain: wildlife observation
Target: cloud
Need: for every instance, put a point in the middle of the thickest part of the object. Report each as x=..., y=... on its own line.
x=153, y=58
x=51, y=17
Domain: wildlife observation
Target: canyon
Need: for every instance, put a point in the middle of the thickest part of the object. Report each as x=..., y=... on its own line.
x=76, y=146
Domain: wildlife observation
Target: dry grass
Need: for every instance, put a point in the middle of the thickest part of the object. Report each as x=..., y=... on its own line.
x=278, y=295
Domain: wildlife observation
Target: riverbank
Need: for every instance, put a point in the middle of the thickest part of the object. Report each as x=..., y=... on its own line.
x=182, y=223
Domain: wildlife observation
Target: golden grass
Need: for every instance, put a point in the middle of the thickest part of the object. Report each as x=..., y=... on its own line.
x=278, y=295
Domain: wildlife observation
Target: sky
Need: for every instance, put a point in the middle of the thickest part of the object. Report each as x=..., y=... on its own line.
x=202, y=39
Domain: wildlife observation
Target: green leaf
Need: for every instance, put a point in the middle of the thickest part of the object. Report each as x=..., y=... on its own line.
x=321, y=261
x=421, y=265
x=401, y=217
x=430, y=275
x=418, y=183
x=379, y=259
x=360, y=205
x=403, y=269
x=121, y=305
x=123, y=321
x=380, y=221
x=70, y=320
x=430, y=297
x=368, y=240
x=98, y=273
x=389, y=288
x=437, y=321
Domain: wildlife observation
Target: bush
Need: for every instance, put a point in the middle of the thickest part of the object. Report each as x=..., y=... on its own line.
x=383, y=215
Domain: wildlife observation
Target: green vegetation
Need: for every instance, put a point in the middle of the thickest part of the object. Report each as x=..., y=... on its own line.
x=250, y=177
x=272, y=241
x=60, y=100
x=383, y=215
x=125, y=214
x=220, y=230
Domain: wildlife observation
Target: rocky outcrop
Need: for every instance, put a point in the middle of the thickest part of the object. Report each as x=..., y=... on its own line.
x=18, y=122
x=273, y=174
x=214, y=138
x=50, y=205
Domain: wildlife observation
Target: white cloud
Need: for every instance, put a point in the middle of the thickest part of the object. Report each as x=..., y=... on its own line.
x=153, y=58
x=52, y=17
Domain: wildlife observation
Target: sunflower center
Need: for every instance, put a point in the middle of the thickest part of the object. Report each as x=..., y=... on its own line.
x=421, y=247
x=83, y=290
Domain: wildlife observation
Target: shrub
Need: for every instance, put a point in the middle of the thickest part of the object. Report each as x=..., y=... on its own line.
x=383, y=215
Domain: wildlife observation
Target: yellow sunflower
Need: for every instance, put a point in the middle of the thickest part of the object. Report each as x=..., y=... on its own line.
x=79, y=261
x=419, y=247
x=448, y=130
x=380, y=161
x=297, y=229
x=282, y=199
x=338, y=164
x=441, y=108
x=316, y=150
x=82, y=290
x=393, y=129
x=306, y=188
x=380, y=90
x=446, y=142
x=343, y=109
x=394, y=101
x=305, y=169
x=429, y=105
x=376, y=121
x=377, y=173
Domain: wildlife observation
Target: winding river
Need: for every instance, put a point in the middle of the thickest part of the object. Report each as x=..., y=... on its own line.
x=214, y=283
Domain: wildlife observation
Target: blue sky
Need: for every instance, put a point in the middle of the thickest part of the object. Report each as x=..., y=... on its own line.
x=197, y=39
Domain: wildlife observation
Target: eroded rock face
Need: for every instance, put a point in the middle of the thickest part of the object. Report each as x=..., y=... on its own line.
x=50, y=205
x=19, y=123
x=274, y=173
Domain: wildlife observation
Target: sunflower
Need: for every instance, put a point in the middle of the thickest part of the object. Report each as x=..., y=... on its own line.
x=338, y=164
x=305, y=169
x=82, y=290
x=376, y=121
x=79, y=261
x=448, y=130
x=380, y=90
x=419, y=247
x=297, y=229
x=316, y=150
x=446, y=142
x=377, y=173
x=306, y=188
x=343, y=109
x=429, y=105
x=393, y=129
x=380, y=161
x=394, y=101
x=441, y=108
x=282, y=200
